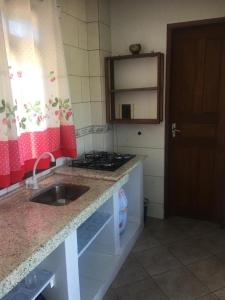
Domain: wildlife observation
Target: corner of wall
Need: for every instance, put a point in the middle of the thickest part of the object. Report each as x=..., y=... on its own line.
x=86, y=36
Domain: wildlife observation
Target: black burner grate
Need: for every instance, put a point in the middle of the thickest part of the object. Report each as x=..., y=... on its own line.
x=107, y=161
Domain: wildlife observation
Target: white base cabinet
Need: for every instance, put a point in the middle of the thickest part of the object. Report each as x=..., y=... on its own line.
x=87, y=262
x=101, y=261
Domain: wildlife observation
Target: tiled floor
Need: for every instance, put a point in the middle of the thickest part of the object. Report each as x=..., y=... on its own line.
x=177, y=259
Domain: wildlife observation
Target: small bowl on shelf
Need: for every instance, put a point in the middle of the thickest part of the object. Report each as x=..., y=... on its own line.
x=135, y=49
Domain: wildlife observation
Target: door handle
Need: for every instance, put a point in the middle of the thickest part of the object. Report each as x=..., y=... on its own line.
x=175, y=130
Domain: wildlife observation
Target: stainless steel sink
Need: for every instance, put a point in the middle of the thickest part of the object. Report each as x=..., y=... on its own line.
x=60, y=194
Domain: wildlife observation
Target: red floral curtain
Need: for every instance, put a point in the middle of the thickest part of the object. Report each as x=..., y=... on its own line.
x=35, y=108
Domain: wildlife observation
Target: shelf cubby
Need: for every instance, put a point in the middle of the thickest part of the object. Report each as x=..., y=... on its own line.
x=44, y=278
x=135, y=74
x=88, y=231
x=153, y=88
x=95, y=268
x=96, y=252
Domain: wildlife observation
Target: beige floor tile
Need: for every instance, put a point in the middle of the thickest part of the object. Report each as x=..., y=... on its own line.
x=184, y=224
x=142, y=290
x=110, y=295
x=180, y=284
x=157, y=260
x=216, y=241
x=162, y=250
x=130, y=272
x=208, y=297
x=145, y=242
x=210, y=271
x=202, y=228
x=190, y=251
x=220, y=294
x=166, y=233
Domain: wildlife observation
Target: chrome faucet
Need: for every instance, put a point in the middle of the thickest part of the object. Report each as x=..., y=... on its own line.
x=34, y=184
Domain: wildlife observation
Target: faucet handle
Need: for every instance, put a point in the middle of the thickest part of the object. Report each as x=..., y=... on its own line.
x=31, y=183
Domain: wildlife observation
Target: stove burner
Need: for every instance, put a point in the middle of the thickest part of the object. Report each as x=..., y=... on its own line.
x=108, y=161
x=108, y=164
x=96, y=155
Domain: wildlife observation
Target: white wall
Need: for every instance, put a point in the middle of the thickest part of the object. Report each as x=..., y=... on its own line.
x=85, y=29
x=145, y=22
x=73, y=21
x=99, y=46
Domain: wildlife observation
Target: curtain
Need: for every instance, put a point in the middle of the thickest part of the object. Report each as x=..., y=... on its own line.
x=35, y=108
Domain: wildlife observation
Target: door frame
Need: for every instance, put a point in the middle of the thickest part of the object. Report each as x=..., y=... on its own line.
x=170, y=30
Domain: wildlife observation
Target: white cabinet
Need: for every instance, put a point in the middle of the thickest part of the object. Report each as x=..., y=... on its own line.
x=97, y=261
x=86, y=263
x=22, y=291
x=102, y=259
x=63, y=262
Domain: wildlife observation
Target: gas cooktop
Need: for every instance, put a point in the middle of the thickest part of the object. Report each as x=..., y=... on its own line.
x=107, y=161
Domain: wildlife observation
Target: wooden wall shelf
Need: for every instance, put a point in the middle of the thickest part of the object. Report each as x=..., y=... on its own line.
x=154, y=88
x=113, y=92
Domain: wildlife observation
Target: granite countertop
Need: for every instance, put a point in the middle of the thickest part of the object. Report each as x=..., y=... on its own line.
x=106, y=175
x=29, y=231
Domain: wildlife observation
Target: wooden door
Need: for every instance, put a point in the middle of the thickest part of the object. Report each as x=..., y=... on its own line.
x=196, y=151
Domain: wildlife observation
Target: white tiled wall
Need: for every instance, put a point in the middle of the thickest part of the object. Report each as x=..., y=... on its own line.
x=97, y=113
x=94, y=62
x=103, y=142
x=86, y=37
x=92, y=10
x=104, y=33
x=145, y=140
x=85, y=89
x=85, y=144
x=128, y=141
x=69, y=27
x=104, y=11
x=82, y=34
x=99, y=46
x=95, y=88
x=151, y=135
x=73, y=20
x=154, y=162
x=82, y=114
x=93, y=35
x=150, y=145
